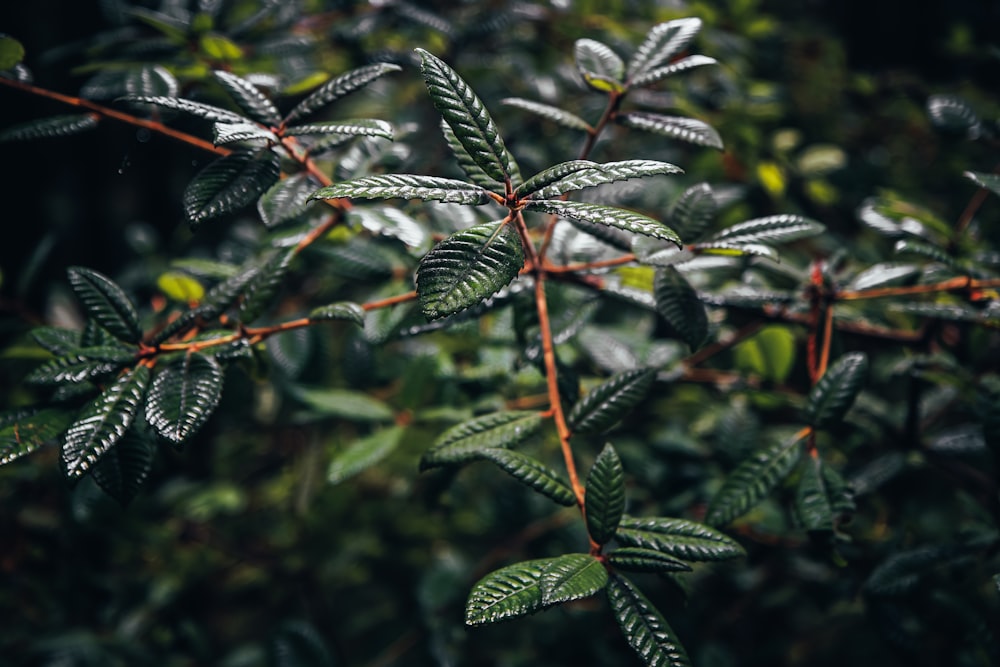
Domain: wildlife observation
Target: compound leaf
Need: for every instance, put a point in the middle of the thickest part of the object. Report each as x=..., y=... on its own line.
x=199, y=109
x=341, y=310
x=605, y=499
x=530, y=472
x=835, y=392
x=25, y=430
x=658, y=74
x=646, y=631
x=609, y=216
x=106, y=303
x=676, y=127
x=229, y=184
x=364, y=453
x=638, y=559
x=339, y=87
x=183, y=396
x=549, y=112
x=572, y=577
x=122, y=471
x=680, y=538
x=249, y=98
x=772, y=229
x=662, y=42
x=598, y=174
x=47, y=128
x=607, y=403
x=678, y=303
x=461, y=443
x=407, y=186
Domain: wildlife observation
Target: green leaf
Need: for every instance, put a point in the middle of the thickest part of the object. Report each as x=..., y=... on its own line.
x=606, y=404
x=678, y=303
x=287, y=199
x=406, y=186
x=597, y=174
x=661, y=44
x=468, y=118
x=11, y=52
x=597, y=62
x=646, y=631
x=366, y=127
x=680, y=538
x=82, y=364
x=822, y=496
x=772, y=229
x=338, y=87
x=883, y=274
x=298, y=644
x=468, y=165
x=47, y=128
x=468, y=267
x=835, y=392
x=637, y=559
x=57, y=340
x=753, y=479
x=199, y=109
x=572, y=577
x=461, y=443
x=605, y=215
x=260, y=290
x=364, y=453
x=506, y=593
x=346, y=404
x=233, y=133
x=530, y=472
x=552, y=175
x=770, y=353
x=990, y=182
x=693, y=211
x=658, y=74
x=955, y=115
x=183, y=396
x=921, y=249
x=605, y=499
x=122, y=470
x=106, y=303
x=549, y=112
x=341, y=310
x=249, y=98
x=676, y=127
x=228, y=184
x=25, y=430
x=103, y=422
x=722, y=249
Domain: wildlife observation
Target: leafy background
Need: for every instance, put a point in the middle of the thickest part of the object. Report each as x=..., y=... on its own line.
x=237, y=551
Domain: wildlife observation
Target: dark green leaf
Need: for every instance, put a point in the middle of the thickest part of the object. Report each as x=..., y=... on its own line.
x=680, y=538
x=249, y=98
x=772, y=229
x=339, y=87
x=47, y=128
x=260, y=290
x=723, y=249
x=468, y=118
x=661, y=44
x=637, y=559
x=605, y=215
x=599, y=64
x=23, y=431
x=646, y=631
x=346, y=404
x=552, y=175
x=232, y=133
x=229, y=184
x=693, y=211
x=102, y=423
x=462, y=443
x=364, y=453
x=909, y=246
x=468, y=165
x=342, y=310
x=883, y=274
x=406, y=186
x=199, y=109
x=530, y=472
x=82, y=364
x=607, y=403
x=572, y=577
x=990, y=182
x=598, y=174
x=822, y=496
x=835, y=392
x=298, y=644
x=678, y=303
x=106, y=303
x=549, y=112
x=676, y=127
x=57, y=340
x=506, y=593
x=605, y=499
x=753, y=479
x=953, y=114
x=122, y=470
x=366, y=127
x=287, y=199
x=183, y=396
x=468, y=267
x=660, y=73
x=903, y=571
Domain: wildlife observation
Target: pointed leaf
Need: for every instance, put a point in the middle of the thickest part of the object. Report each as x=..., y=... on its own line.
x=990, y=182
x=883, y=274
x=347, y=404
x=260, y=290
x=605, y=499
x=506, y=593
x=462, y=443
x=57, y=340
x=229, y=184
x=658, y=74
x=772, y=229
x=468, y=267
x=467, y=164
x=366, y=127
x=637, y=559
x=693, y=211
x=364, y=453
x=82, y=364
x=676, y=127
x=596, y=61
x=605, y=215
x=678, y=303
x=339, y=87
x=680, y=538
x=549, y=112
x=106, y=303
x=249, y=98
x=23, y=431
x=199, y=109
x=599, y=174
x=183, y=396
x=646, y=631
x=406, y=186
x=47, y=128
x=723, y=249
x=552, y=175
x=122, y=470
x=468, y=118
x=572, y=577
x=341, y=310
x=607, y=403
x=822, y=496
x=753, y=479
x=530, y=472
x=835, y=392
x=102, y=423
x=662, y=43
x=232, y=133
x=287, y=199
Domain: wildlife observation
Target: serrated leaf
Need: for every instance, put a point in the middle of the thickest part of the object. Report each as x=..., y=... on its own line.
x=772, y=229
x=676, y=127
x=231, y=133
x=286, y=199
x=461, y=443
x=902, y=571
x=605, y=498
x=835, y=392
x=25, y=430
x=365, y=127
x=678, y=303
x=822, y=496
x=183, y=396
x=572, y=577
x=259, y=291
x=199, y=109
x=338, y=87
x=990, y=182
x=724, y=249
x=953, y=114
x=103, y=422
x=406, y=186
x=249, y=98
x=606, y=404
x=364, y=453
x=341, y=310
x=106, y=303
x=468, y=118
x=552, y=175
x=122, y=470
x=82, y=364
x=662, y=42
x=468, y=267
x=228, y=184
x=680, y=538
x=753, y=479
x=658, y=74
x=549, y=112
x=530, y=472
x=597, y=61
x=646, y=631
x=637, y=559
x=609, y=216
x=346, y=404
x=909, y=246
x=693, y=211
x=467, y=164
x=57, y=340
x=506, y=593
x=46, y=128
x=599, y=174
x=882, y=274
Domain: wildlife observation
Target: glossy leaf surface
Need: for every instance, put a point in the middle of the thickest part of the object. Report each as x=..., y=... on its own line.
x=835, y=392
x=53, y=126
x=462, y=443
x=609, y=216
x=342, y=310
x=106, y=303
x=229, y=184
x=286, y=199
x=639, y=559
x=183, y=396
x=607, y=403
x=506, y=593
x=659, y=73
x=605, y=499
x=678, y=303
x=772, y=229
x=676, y=127
x=679, y=538
x=199, y=109
x=405, y=186
x=644, y=627
x=549, y=112
x=122, y=471
x=822, y=496
x=572, y=577
x=25, y=430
